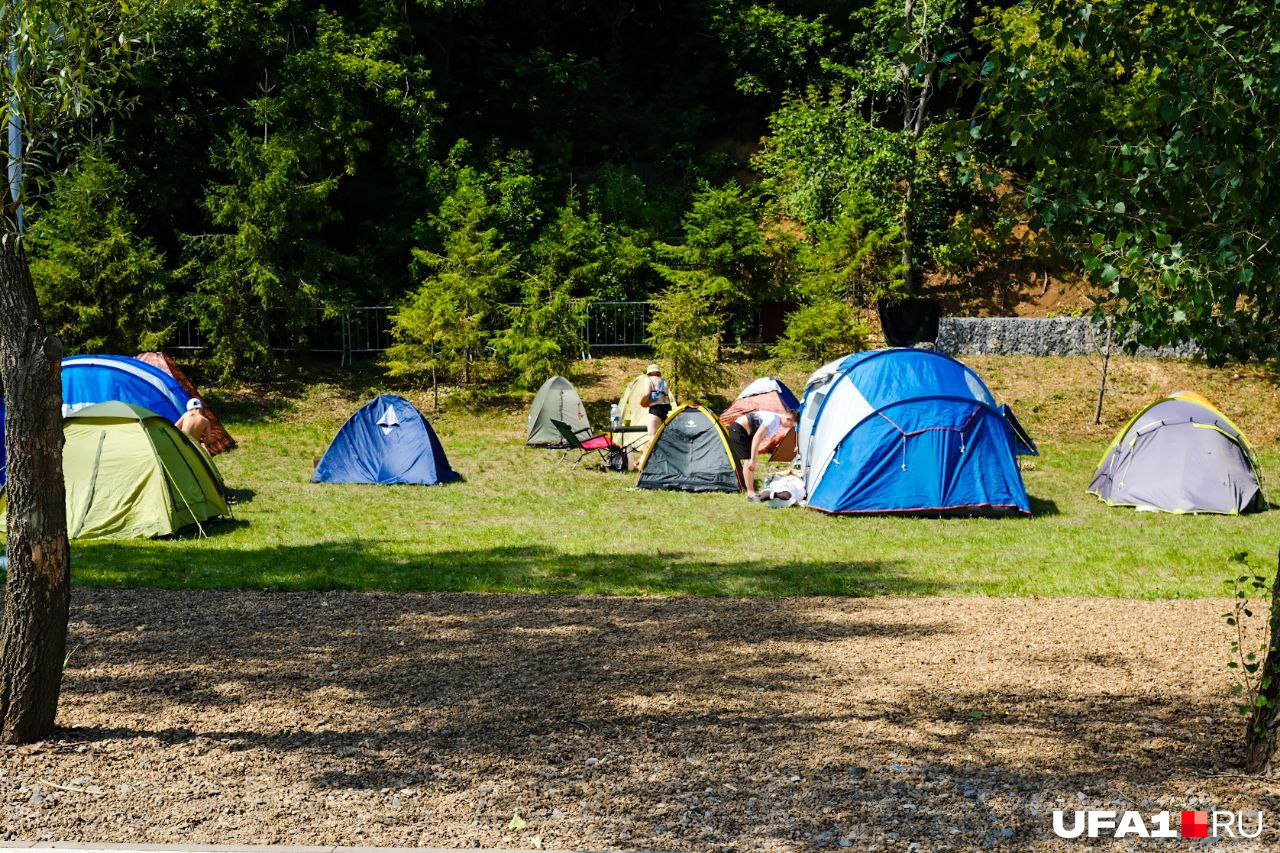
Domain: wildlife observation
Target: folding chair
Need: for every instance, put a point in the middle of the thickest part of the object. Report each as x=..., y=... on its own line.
x=598, y=444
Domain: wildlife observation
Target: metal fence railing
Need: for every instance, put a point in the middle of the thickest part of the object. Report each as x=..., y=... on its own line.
x=366, y=329
x=617, y=324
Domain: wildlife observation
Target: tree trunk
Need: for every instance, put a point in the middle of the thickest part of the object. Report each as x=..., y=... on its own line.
x=908, y=261
x=1261, y=737
x=915, y=110
x=1106, y=365
x=33, y=634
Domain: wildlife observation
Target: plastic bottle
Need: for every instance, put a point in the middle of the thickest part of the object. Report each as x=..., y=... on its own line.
x=615, y=415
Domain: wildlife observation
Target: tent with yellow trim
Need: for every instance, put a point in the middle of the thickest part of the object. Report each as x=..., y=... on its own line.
x=131, y=474
x=690, y=453
x=1182, y=455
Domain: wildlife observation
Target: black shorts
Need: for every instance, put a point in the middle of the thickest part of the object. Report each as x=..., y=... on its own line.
x=739, y=442
x=660, y=410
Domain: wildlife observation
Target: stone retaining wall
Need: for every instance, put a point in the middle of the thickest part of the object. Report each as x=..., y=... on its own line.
x=1035, y=336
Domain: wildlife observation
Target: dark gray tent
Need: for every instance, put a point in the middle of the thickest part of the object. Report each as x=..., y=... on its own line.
x=557, y=400
x=690, y=453
x=1179, y=455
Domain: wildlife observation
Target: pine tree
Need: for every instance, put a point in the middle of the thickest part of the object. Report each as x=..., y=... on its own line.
x=104, y=286
x=544, y=335
x=446, y=325
x=685, y=333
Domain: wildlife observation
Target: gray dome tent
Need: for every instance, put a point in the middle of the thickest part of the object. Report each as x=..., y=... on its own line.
x=557, y=400
x=1180, y=455
x=690, y=453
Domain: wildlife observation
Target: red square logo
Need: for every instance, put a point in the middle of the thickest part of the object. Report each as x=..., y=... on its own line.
x=1195, y=824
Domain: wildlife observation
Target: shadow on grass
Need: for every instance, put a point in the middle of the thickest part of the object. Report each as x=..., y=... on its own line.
x=1043, y=506
x=353, y=565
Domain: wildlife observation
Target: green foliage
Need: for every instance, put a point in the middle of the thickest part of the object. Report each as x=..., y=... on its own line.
x=572, y=251
x=283, y=152
x=544, y=335
x=726, y=257
x=263, y=262
x=685, y=333
x=63, y=61
x=103, y=286
x=822, y=154
x=1161, y=182
x=446, y=325
x=820, y=332
x=776, y=49
x=723, y=254
x=1251, y=679
x=855, y=257
x=974, y=238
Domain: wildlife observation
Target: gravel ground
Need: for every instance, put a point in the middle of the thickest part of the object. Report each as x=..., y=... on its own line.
x=605, y=723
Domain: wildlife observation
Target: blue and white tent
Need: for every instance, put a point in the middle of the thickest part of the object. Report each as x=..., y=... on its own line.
x=89, y=379
x=387, y=442
x=907, y=431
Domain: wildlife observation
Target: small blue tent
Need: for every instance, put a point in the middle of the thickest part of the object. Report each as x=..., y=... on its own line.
x=89, y=379
x=909, y=431
x=388, y=442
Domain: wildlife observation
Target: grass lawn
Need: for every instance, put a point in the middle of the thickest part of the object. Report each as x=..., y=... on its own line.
x=520, y=523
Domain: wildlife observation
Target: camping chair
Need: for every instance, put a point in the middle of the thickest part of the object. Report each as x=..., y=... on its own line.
x=599, y=444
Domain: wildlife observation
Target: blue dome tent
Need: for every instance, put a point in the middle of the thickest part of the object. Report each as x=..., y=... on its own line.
x=908, y=431
x=89, y=379
x=387, y=442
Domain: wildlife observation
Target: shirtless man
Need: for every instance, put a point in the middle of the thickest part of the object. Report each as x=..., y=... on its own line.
x=194, y=423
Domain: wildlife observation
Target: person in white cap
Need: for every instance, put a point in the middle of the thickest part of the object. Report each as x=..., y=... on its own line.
x=657, y=398
x=194, y=423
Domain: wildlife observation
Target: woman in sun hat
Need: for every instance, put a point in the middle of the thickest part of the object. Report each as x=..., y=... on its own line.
x=657, y=398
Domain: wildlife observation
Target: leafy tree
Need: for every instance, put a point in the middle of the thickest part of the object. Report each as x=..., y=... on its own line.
x=544, y=333
x=1161, y=183
x=685, y=333
x=446, y=325
x=104, y=286
x=572, y=251
x=820, y=332
x=882, y=131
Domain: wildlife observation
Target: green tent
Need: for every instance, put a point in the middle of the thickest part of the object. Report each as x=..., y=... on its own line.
x=557, y=400
x=131, y=474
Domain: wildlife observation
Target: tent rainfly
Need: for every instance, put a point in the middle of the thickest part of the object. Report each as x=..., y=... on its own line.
x=557, y=400
x=1180, y=455
x=908, y=431
x=690, y=453
x=218, y=440
x=131, y=474
x=386, y=442
x=770, y=395
x=89, y=379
